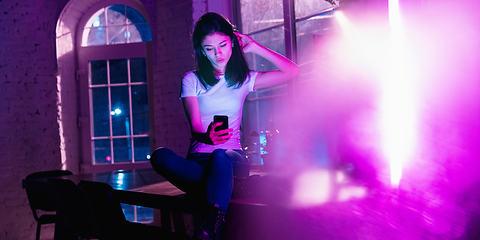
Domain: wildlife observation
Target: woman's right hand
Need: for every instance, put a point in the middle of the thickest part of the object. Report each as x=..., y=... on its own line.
x=220, y=136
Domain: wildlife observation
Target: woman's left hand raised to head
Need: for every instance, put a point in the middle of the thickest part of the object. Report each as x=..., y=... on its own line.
x=286, y=68
x=246, y=42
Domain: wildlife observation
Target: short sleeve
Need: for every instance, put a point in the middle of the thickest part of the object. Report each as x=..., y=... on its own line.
x=189, y=85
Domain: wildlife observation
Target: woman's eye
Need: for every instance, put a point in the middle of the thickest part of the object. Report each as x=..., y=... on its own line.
x=223, y=45
x=208, y=49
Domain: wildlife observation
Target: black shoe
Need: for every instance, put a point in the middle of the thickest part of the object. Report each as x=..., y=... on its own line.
x=210, y=229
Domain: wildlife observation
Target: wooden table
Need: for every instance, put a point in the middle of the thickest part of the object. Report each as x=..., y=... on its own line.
x=145, y=187
x=141, y=187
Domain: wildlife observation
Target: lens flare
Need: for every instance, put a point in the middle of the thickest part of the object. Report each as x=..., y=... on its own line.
x=384, y=54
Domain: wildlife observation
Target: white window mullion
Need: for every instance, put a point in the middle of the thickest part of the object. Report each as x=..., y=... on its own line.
x=110, y=110
x=90, y=96
x=106, y=29
x=131, y=110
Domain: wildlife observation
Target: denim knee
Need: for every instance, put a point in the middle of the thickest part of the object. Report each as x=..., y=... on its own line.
x=160, y=157
x=219, y=156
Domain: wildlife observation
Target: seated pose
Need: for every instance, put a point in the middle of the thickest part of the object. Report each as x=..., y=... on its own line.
x=219, y=86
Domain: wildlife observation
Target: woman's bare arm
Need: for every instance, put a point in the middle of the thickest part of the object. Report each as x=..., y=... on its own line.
x=286, y=68
x=192, y=110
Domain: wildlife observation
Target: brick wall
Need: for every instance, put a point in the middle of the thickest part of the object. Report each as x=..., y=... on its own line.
x=29, y=129
x=29, y=133
x=174, y=58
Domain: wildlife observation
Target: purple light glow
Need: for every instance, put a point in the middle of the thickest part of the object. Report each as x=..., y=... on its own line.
x=397, y=107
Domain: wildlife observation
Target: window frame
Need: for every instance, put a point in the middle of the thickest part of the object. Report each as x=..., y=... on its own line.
x=108, y=52
x=290, y=36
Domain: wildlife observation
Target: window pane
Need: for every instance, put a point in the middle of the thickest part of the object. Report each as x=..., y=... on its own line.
x=98, y=70
x=117, y=34
x=138, y=70
x=272, y=39
x=259, y=14
x=259, y=128
x=134, y=16
x=100, y=109
x=142, y=149
x=141, y=215
x=118, y=71
x=144, y=214
x=306, y=32
x=102, y=151
x=120, y=111
x=141, y=33
x=97, y=19
x=305, y=8
x=140, y=109
x=272, y=91
x=120, y=28
x=128, y=211
x=122, y=150
x=94, y=36
x=116, y=15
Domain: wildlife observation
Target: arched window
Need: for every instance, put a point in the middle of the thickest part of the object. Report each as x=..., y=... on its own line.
x=116, y=24
x=113, y=74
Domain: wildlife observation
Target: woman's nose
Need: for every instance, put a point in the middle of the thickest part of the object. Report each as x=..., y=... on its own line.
x=218, y=51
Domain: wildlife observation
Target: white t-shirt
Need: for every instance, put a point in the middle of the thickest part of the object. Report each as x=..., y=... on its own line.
x=218, y=100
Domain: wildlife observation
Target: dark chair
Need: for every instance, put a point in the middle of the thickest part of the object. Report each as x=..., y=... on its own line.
x=108, y=219
x=43, y=201
x=71, y=209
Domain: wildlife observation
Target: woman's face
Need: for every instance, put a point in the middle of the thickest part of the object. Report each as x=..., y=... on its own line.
x=217, y=47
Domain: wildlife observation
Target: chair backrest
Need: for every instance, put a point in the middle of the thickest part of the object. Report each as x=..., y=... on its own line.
x=103, y=207
x=71, y=207
x=40, y=200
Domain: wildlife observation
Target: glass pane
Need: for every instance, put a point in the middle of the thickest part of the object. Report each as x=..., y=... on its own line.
x=140, y=109
x=120, y=29
x=94, y=36
x=272, y=91
x=102, y=151
x=97, y=19
x=118, y=71
x=117, y=34
x=116, y=15
x=134, y=16
x=138, y=70
x=142, y=149
x=132, y=34
x=259, y=14
x=305, y=8
x=273, y=39
x=122, y=150
x=306, y=32
x=140, y=33
x=143, y=214
x=128, y=211
x=98, y=71
x=101, y=126
x=120, y=111
x=260, y=128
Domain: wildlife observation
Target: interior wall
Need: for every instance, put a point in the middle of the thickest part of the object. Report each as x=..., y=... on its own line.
x=30, y=133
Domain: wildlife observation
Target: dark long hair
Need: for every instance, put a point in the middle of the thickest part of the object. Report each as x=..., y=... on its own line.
x=237, y=68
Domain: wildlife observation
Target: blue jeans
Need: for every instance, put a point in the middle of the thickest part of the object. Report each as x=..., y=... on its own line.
x=205, y=174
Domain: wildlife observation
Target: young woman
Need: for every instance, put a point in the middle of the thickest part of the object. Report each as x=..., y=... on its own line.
x=219, y=86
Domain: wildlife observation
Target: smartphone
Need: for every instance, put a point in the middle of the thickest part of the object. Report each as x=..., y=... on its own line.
x=223, y=119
